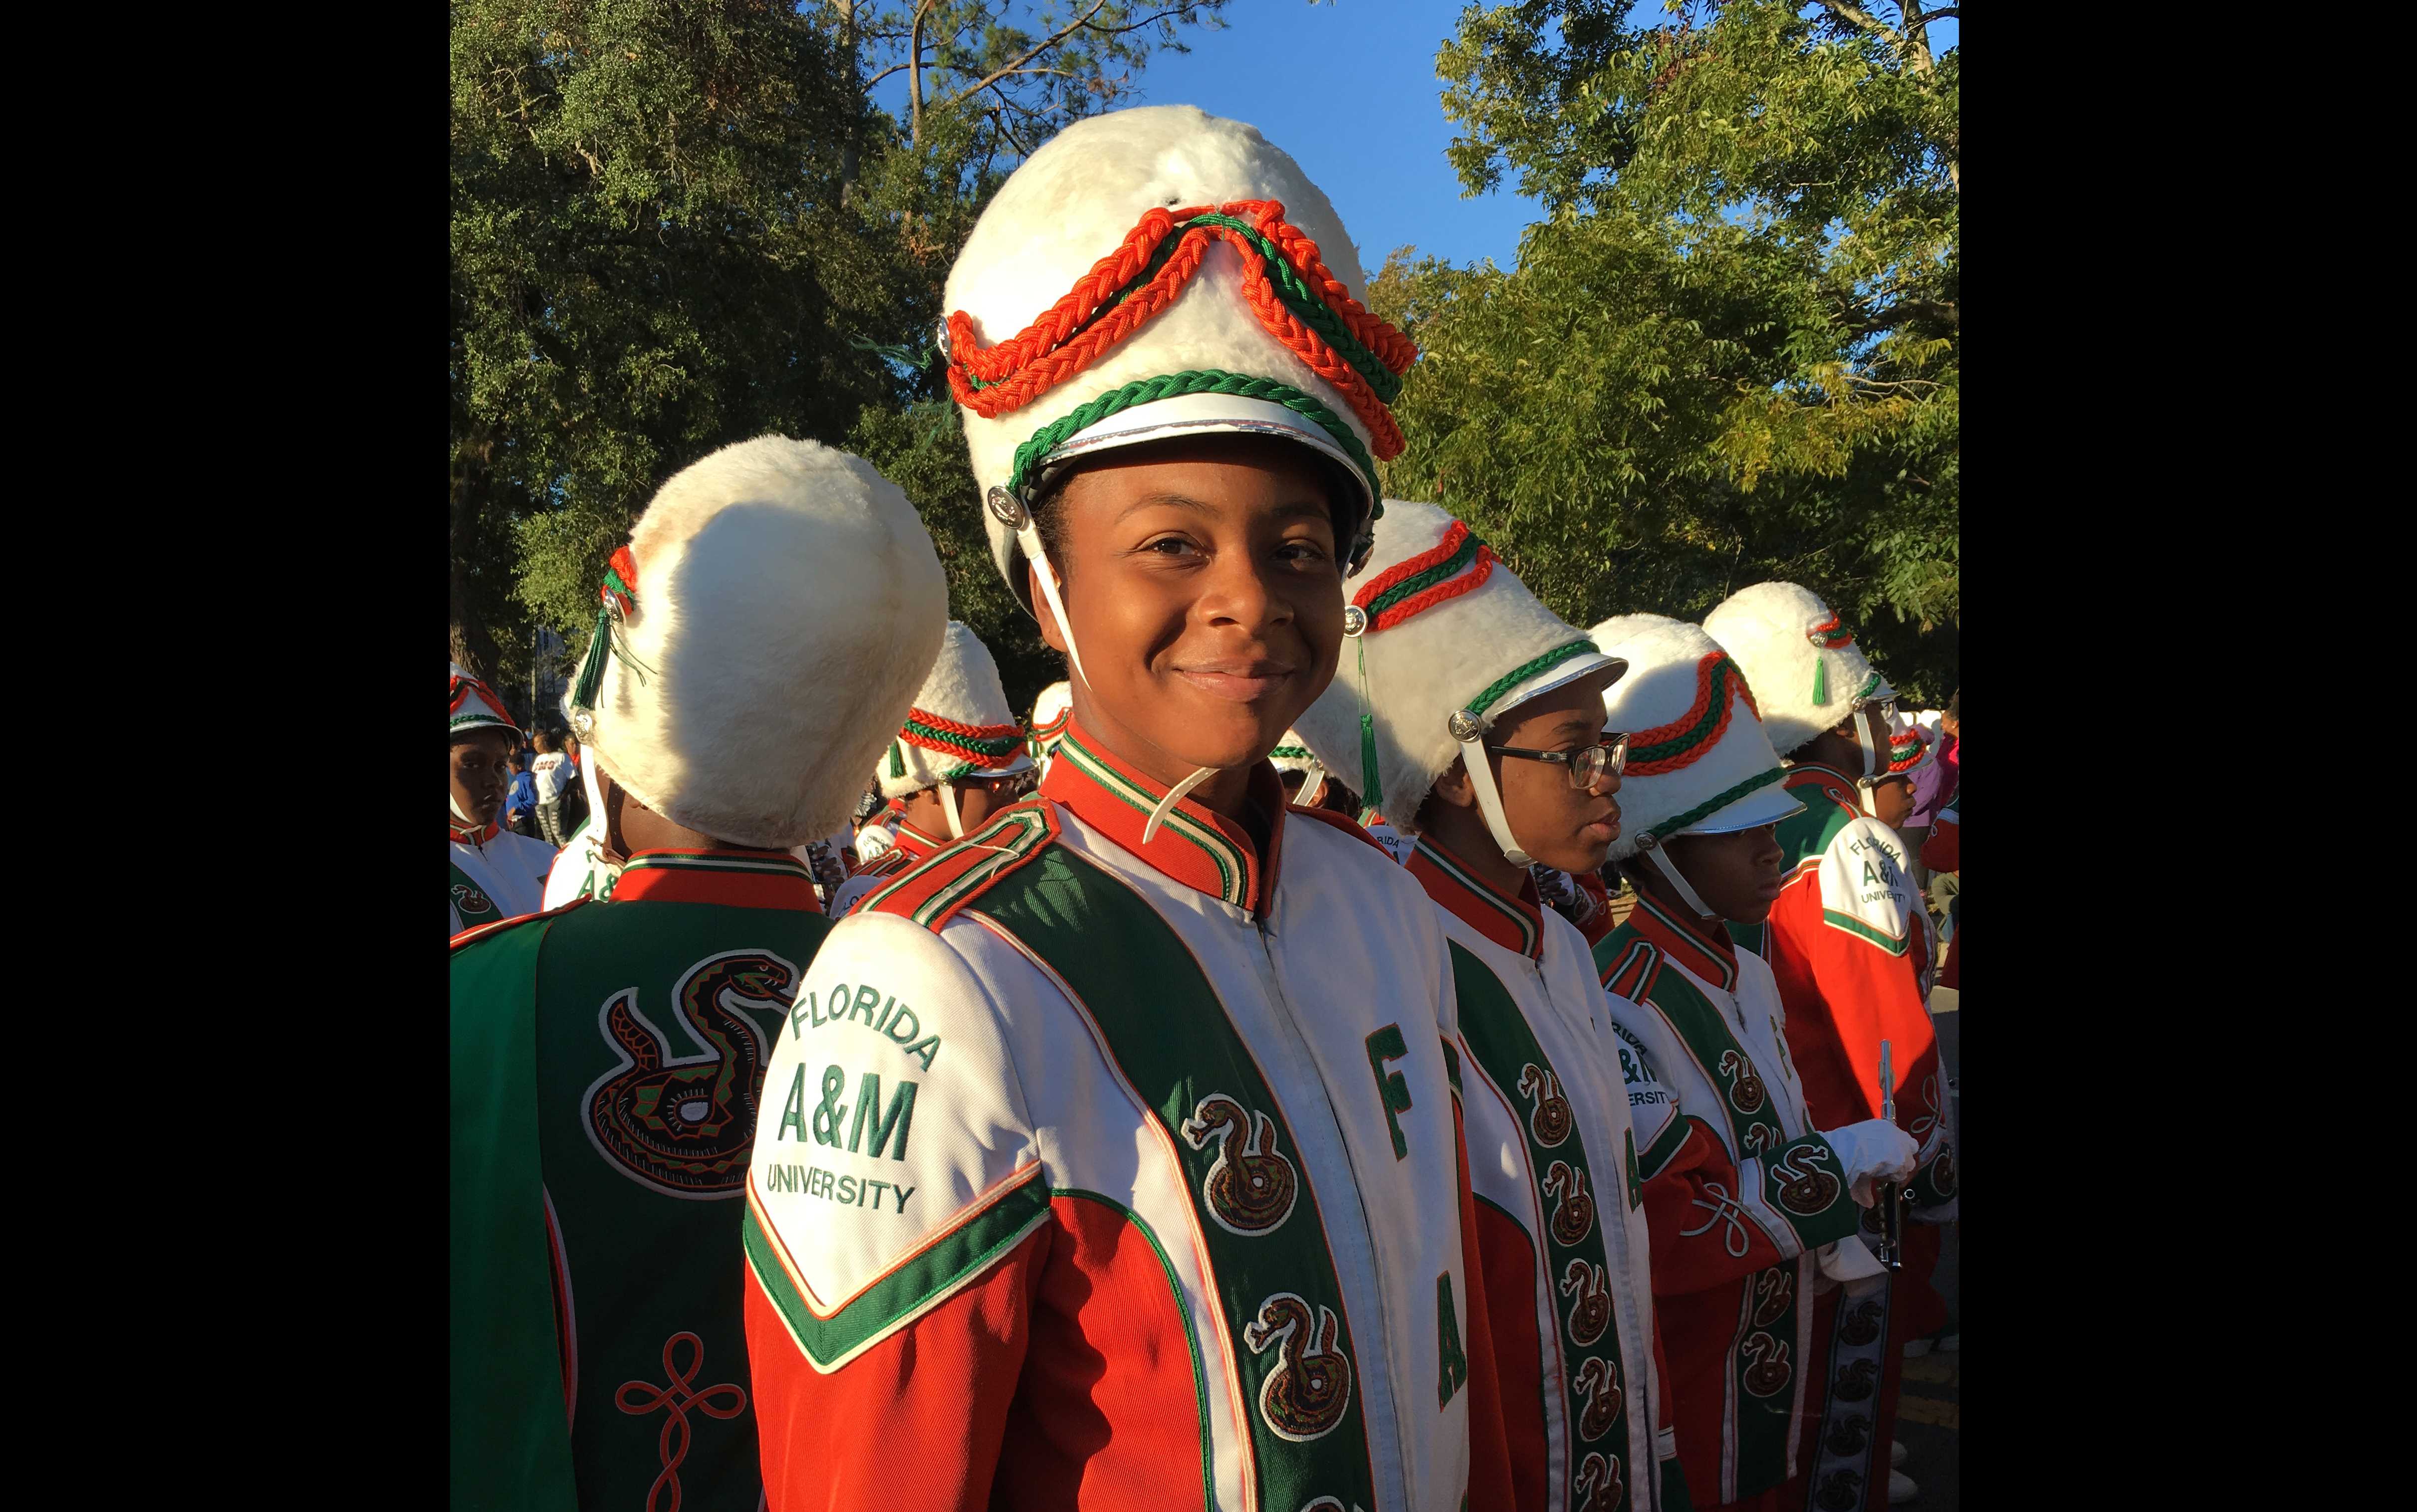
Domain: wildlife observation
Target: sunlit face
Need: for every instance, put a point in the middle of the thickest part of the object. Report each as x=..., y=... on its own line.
x=1893, y=799
x=1206, y=595
x=1556, y=822
x=1736, y=875
x=482, y=773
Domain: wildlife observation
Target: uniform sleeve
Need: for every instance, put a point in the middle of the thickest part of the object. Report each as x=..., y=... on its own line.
x=1944, y=850
x=1712, y=1219
x=1866, y=964
x=897, y=1222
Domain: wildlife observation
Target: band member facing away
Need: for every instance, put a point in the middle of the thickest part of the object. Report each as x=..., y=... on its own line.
x=497, y=873
x=1847, y=942
x=1116, y=1163
x=958, y=757
x=1475, y=716
x=608, y=1057
x=1752, y=1204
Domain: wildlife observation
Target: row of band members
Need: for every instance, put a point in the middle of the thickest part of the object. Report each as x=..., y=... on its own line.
x=1152, y=1140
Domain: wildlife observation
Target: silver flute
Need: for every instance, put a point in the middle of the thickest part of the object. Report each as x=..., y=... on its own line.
x=1890, y=1207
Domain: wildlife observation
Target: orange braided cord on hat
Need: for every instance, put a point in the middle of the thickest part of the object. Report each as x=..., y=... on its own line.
x=1121, y=293
x=1670, y=747
x=1453, y=566
x=984, y=745
x=465, y=687
x=1905, y=752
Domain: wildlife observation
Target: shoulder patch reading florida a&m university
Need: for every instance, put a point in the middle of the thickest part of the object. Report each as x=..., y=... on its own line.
x=1864, y=889
x=893, y=1160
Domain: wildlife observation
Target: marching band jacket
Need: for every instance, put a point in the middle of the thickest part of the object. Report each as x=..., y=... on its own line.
x=1561, y=1237
x=496, y=875
x=1847, y=943
x=608, y=1062
x=1944, y=852
x=908, y=848
x=1741, y=1191
x=1118, y=1175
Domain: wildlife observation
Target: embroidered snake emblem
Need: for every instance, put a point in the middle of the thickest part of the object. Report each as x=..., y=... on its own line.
x=1841, y=1491
x=1305, y=1396
x=1745, y=1088
x=1805, y=1187
x=1849, y=1434
x=471, y=900
x=1855, y=1381
x=1597, y=1485
x=1251, y=1187
x=1549, y=1123
x=1942, y=1172
x=1766, y=1371
x=1774, y=1291
x=1572, y=1209
x=1590, y=1314
x=686, y=1126
x=1600, y=1380
x=1863, y=1325
x=1761, y=1137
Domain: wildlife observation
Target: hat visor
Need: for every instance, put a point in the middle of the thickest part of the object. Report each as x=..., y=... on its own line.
x=1195, y=414
x=1022, y=763
x=1763, y=806
x=1553, y=677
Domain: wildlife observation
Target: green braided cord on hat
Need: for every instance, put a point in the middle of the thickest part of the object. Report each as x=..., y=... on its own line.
x=1175, y=385
x=1372, y=784
x=1289, y=285
x=1717, y=802
x=897, y=759
x=1869, y=683
x=1410, y=587
x=1292, y=753
x=996, y=746
x=1516, y=675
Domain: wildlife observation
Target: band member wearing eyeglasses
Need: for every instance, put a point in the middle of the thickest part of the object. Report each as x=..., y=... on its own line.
x=1754, y=1206
x=960, y=757
x=1483, y=737
x=1849, y=945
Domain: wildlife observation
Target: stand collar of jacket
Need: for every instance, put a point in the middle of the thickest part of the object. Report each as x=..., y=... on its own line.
x=477, y=837
x=1707, y=951
x=1196, y=846
x=1512, y=921
x=734, y=879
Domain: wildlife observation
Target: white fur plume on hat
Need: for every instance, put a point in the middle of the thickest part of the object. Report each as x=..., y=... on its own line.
x=761, y=638
x=1442, y=639
x=1698, y=761
x=960, y=724
x=1151, y=273
x=1807, y=673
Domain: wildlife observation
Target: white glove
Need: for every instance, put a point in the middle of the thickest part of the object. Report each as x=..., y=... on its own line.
x=1873, y=1150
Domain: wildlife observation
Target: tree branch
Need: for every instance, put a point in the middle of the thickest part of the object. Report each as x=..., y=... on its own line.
x=1063, y=33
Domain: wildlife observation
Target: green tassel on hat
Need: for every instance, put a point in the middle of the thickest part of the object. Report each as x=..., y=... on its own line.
x=1820, y=680
x=1372, y=791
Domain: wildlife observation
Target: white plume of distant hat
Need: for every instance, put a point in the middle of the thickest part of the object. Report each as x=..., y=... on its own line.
x=1699, y=760
x=1450, y=640
x=747, y=685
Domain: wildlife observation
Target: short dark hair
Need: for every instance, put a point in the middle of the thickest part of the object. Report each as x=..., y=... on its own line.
x=544, y=740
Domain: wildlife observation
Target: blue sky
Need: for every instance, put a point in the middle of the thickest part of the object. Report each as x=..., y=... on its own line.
x=1349, y=90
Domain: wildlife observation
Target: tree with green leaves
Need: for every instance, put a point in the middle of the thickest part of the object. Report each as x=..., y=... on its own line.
x=678, y=225
x=1730, y=351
